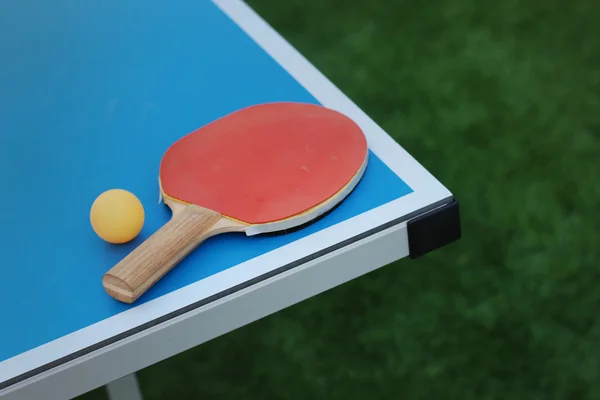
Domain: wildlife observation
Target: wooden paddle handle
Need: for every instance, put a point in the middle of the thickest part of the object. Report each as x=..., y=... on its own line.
x=156, y=256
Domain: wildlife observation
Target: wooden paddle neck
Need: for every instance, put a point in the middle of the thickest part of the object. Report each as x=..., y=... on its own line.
x=189, y=226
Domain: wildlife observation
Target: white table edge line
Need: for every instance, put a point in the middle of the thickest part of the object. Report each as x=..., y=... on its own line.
x=219, y=296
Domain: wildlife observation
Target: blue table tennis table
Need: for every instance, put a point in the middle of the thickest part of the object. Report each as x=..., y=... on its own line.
x=91, y=95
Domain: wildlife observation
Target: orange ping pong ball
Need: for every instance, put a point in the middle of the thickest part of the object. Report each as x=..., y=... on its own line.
x=117, y=216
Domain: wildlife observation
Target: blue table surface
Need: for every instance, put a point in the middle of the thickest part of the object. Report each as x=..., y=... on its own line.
x=91, y=95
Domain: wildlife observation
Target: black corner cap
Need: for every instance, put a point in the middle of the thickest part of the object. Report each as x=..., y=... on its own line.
x=434, y=229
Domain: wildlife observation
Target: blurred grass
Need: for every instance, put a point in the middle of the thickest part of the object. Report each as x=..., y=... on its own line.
x=501, y=101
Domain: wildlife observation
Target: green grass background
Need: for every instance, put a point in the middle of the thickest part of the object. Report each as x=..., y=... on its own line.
x=501, y=101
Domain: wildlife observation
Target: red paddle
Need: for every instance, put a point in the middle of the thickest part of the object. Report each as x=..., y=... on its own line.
x=264, y=168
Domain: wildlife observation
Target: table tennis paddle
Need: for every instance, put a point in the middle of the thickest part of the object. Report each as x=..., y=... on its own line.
x=264, y=168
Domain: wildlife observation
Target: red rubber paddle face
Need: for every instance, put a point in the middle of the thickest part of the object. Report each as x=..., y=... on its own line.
x=265, y=163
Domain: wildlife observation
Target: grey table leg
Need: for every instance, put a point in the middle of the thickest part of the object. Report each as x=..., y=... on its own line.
x=126, y=388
